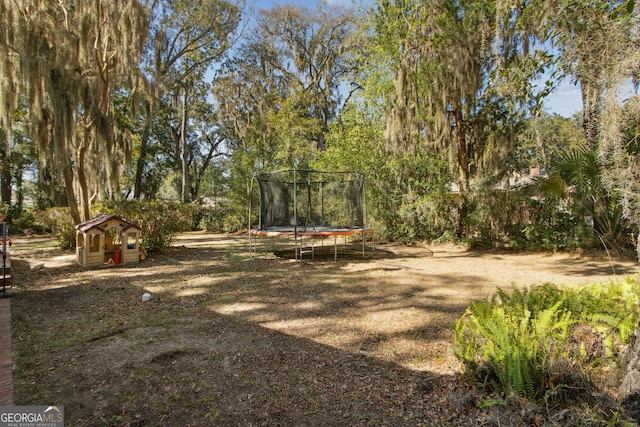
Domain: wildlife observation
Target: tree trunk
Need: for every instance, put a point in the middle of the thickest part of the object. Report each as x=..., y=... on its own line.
x=463, y=157
x=81, y=160
x=19, y=181
x=144, y=145
x=71, y=196
x=6, y=182
x=541, y=144
x=463, y=171
x=5, y=174
x=630, y=386
x=591, y=112
x=184, y=151
x=82, y=183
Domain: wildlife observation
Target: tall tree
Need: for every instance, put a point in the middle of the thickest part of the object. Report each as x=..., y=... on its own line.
x=192, y=144
x=187, y=38
x=22, y=158
x=285, y=90
x=453, y=60
x=66, y=59
x=462, y=72
x=278, y=93
x=593, y=39
x=599, y=45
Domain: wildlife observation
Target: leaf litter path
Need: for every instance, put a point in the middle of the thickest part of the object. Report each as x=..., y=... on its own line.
x=232, y=340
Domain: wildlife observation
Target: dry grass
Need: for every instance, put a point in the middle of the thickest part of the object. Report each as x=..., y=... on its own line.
x=232, y=340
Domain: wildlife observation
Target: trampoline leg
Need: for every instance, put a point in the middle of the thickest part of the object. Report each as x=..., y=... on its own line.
x=265, y=242
x=335, y=248
x=310, y=247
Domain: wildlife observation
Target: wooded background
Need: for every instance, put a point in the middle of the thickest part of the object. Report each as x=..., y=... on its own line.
x=440, y=103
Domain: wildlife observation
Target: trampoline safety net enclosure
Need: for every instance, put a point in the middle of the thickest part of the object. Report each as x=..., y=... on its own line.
x=309, y=204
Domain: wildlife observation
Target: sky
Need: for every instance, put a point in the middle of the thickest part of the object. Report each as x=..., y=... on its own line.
x=566, y=100
x=265, y=4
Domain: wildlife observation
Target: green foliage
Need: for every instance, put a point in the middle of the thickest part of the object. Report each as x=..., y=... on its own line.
x=411, y=199
x=543, y=138
x=519, y=218
x=5, y=208
x=407, y=195
x=552, y=228
x=160, y=221
x=25, y=221
x=239, y=188
x=579, y=178
x=510, y=344
x=512, y=340
x=567, y=210
x=222, y=218
x=60, y=223
x=613, y=307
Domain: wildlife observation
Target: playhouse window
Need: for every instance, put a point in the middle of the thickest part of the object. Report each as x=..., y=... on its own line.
x=132, y=240
x=94, y=243
x=116, y=236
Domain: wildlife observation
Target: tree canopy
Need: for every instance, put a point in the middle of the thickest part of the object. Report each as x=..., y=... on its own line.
x=440, y=103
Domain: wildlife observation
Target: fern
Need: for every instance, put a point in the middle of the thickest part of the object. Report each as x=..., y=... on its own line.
x=511, y=339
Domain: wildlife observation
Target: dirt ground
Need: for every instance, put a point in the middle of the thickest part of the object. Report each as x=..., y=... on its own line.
x=233, y=340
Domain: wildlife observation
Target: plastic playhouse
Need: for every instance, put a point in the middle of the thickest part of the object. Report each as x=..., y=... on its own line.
x=107, y=239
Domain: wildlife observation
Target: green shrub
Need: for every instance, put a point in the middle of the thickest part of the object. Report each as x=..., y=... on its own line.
x=510, y=345
x=234, y=223
x=408, y=198
x=26, y=221
x=521, y=219
x=216, y=219
x=159, y=221
x=40, y=218
x=59, y=222
x=512, y=340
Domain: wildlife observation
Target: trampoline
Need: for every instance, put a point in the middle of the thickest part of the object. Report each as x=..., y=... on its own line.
x=310, y=205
